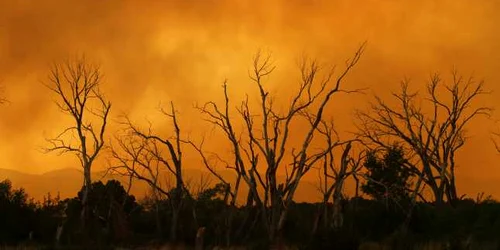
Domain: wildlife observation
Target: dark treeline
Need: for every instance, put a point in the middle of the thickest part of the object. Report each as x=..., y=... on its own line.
x=401, y=159
x=117, y=219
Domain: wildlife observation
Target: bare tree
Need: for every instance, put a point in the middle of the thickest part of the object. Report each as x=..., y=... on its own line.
x=333, y=173
x=211, y=161
x=270, y=140
x=431, y=127
x=77, y=86
x=147, y=156
x=332, y=179
x=132, y=159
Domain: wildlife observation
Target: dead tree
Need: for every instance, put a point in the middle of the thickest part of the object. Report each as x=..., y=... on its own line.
x=77, y=87
x=211, y=161
x=132, y=159
x=148, y=157
x=267, y=132
x=332, y=180
x=431, y=127
x=333, y=173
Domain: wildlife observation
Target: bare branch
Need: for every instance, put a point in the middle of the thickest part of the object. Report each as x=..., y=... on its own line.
x=433, y=131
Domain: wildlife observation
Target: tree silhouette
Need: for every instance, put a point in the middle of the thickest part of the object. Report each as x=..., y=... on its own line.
x=387, y=176
x=77, y=87
x=146, y=156
x=333, y=175
x=110, y=210
x=265, y=139
x=16, y=213
x=431, y=126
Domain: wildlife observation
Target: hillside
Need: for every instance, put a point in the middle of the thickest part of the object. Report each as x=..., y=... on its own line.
x=68, y=181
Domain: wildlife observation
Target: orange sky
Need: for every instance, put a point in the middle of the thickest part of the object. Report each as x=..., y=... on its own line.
x=152, y=51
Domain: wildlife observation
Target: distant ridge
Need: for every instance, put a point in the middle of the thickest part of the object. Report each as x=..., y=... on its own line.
x=68, y=181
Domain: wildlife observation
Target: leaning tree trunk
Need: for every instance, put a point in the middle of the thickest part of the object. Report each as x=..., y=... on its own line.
x=174, y=224
x=84, y=216
x=337, y=216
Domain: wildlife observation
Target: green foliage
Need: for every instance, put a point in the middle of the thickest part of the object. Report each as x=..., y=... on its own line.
x=387, y=177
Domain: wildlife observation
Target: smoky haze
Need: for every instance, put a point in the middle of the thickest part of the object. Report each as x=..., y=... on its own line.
x=181, y=51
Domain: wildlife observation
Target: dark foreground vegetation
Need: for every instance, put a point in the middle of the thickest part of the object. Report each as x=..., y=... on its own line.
x=117, y=219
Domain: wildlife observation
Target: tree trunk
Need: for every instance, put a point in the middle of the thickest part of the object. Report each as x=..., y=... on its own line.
x=229, y=225
x=174, y=225
x=452, y=191
x=439, y=197
x=84, y=216
x=199, y=238
x=317, y=218
x=337, y=216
